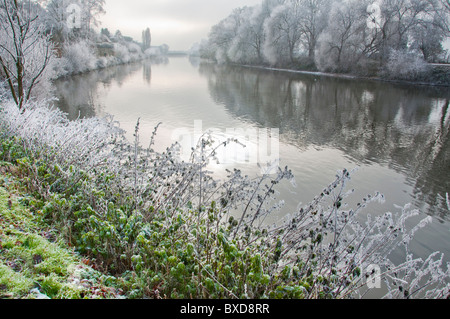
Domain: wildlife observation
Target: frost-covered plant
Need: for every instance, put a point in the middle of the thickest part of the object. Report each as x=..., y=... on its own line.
x=25, y=50
x=338, y=46
x=405, y=66
x=183, y=233
x=121, y=52
x=102, y=62
x=77, y=57
x=44, y=129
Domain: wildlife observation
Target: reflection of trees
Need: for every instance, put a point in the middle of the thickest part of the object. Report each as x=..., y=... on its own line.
x=434, y=175
x=78, y=95
x=370, y=121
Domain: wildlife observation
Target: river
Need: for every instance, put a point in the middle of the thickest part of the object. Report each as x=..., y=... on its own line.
x=395, y=136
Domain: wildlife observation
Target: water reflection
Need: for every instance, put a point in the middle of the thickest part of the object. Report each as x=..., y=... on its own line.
x=147, y=67
x=405, y=128
x=78, y=95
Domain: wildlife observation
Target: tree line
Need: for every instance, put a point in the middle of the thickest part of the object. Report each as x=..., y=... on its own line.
x=348, y=36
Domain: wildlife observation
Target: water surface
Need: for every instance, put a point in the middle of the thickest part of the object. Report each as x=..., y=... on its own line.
x=396, y=136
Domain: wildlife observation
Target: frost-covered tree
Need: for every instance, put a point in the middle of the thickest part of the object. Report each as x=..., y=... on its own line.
x=335, y=35
x=224, y=33
x=240, y=37
x=441, y=9
x=397, y=19
x=85, y=12
x=340, y=44
x=78, y=57
x=118, y=37
x=92, y=9
x=146, y=39
x=313, y=20
x=246, y=46
x=56, y=20
x=293, y=29
x=105, y=32
x=283, y=33
x=427, y=37
x=25, y=48
x=430, y=34
x=362, y=32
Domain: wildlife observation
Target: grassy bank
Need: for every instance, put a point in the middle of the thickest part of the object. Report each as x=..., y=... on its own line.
x=146, y=225
x=35, y=262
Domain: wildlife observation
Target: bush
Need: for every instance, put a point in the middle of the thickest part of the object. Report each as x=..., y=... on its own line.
x=402, y=65
x=121, y=52
x=78, y=57
x=84, y=56
x=127, y=52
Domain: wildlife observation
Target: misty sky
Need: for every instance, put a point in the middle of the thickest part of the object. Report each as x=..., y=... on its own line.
x=178, y=23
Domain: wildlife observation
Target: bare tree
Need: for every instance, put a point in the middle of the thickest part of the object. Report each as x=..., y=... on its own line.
x=25, y=50
x=56, y=20
x=446, y=4
x=224, y=33
x=442, y=14
x=283, y=33
x=313, y=20
x=92, y=9
x=340, y=45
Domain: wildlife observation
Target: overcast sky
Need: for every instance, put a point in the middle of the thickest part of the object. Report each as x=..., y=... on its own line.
x=178, y=23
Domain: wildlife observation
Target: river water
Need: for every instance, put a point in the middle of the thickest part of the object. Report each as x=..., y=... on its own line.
x=395, y=136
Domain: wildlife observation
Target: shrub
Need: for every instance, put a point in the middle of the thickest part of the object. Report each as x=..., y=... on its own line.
x=121, y=52
x=78, y=57
x=402, y=65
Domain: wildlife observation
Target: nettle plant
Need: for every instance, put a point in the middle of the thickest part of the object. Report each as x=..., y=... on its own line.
x=173, y=230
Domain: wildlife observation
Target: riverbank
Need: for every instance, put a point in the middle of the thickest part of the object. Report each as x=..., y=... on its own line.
x=160, y=228
x=82, y=57
x=440, y=75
